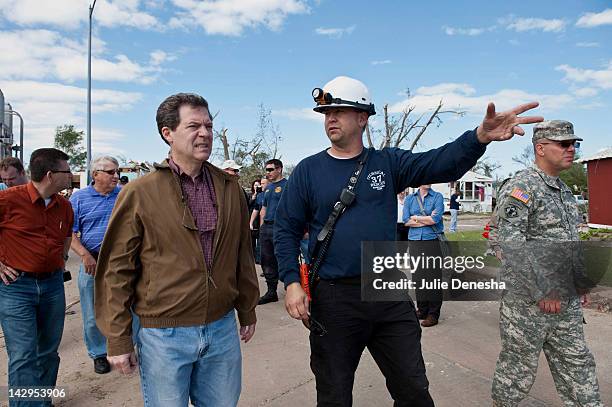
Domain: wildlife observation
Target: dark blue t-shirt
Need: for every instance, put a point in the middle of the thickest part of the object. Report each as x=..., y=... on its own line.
x=272, y=195
x=315, y=185
x=453, y=201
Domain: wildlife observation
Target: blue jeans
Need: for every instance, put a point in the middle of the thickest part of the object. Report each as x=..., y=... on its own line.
x=94, y=340
x=202, y=363
x=32, y=318
x=453, y=222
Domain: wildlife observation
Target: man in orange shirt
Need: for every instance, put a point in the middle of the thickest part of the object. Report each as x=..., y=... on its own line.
x=35, y=234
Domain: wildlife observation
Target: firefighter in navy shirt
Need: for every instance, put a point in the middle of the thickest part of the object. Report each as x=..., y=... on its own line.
x=272, y=195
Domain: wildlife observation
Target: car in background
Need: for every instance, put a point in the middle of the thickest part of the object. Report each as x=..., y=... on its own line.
x=581, y=201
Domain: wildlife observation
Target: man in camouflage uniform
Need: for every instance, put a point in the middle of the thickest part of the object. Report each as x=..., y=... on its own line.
x=534, y=233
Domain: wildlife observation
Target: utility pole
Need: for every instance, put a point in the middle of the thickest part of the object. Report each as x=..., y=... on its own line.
x=91, y=10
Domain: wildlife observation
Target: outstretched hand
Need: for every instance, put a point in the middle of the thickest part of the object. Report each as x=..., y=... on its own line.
x=504, y=125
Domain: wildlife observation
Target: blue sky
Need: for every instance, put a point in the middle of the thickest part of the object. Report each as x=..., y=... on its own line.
x=240, y=53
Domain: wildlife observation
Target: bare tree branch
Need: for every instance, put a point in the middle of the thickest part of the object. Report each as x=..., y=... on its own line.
x=402, y=132
x=388, y=128
x=431, y=118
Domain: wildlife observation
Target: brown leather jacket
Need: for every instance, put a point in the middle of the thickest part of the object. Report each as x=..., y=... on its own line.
x=152, y=259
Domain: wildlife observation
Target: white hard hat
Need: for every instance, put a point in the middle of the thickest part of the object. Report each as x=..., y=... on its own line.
x=230, y=164
x=343, y=91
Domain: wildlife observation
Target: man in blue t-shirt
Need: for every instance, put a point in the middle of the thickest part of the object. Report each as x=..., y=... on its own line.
x=272, y=196
x=390, y=330
x=454, y=210
x=92, y=208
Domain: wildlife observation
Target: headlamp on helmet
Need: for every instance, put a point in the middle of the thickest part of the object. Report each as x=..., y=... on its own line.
x=343, y=92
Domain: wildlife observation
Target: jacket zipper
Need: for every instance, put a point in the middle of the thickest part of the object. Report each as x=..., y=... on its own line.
x=185, y=207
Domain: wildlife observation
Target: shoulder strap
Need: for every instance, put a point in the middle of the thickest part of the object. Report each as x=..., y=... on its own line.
x=420, y=201
x=434, y=227
x=346, y=199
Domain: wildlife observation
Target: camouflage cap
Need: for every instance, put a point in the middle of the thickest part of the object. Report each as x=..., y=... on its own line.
x=557, y=130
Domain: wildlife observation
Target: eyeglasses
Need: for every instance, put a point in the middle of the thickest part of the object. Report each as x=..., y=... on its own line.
x=270, y=169
x=235, y=171
x=565, y=143
x=61, y=171
x=110, y=172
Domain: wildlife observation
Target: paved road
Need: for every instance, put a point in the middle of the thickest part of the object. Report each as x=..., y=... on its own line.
x=460, y=354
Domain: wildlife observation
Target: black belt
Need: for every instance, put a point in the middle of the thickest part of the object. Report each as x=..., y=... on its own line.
x=345, y=280
x=269, y=222
x=39, y=276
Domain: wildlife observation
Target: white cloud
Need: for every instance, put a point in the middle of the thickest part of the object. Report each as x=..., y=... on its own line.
x=70, y=14
x=590, y=20
x=441, y=88
x=519, y=24
x=335, y=32
x=300, y=114
x=47, y=105
x=124, y=13
x=585, y=92
x=381, y=62
x=45, y=54
x=232, y=17
x=601, y=79
x=158, y=57
x=456, y=96
x=464, y=31
x=588, y=44
x=462, y=96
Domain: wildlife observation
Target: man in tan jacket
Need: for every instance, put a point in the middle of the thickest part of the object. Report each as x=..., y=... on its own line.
x=177, y=252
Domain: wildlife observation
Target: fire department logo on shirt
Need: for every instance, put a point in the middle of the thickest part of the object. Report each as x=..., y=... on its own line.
x=377, y=180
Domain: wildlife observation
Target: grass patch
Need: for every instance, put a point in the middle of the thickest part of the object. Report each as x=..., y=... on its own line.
x=467, y=236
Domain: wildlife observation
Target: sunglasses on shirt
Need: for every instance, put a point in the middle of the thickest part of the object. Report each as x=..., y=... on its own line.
x=314, y=326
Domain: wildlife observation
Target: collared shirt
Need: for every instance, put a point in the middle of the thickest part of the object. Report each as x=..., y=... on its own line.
x=433, y=201
x=202, y=202
x=92, y=211
x=31, y=234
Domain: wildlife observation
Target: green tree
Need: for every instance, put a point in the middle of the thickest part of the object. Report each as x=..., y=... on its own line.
x=576, y=178
x=70, y=141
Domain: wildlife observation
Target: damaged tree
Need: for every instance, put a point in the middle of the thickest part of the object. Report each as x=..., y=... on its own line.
x=398, y=127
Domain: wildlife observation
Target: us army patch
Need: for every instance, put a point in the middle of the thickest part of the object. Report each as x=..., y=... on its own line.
x=511, y=211
x=520, y=195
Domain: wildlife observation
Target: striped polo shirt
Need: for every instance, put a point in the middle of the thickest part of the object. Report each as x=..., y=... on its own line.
x=92, y=211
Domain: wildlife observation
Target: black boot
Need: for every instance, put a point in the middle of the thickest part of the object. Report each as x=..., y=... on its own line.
x=269, y=296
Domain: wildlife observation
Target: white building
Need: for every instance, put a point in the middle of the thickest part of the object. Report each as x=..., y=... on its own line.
x=476, y=189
